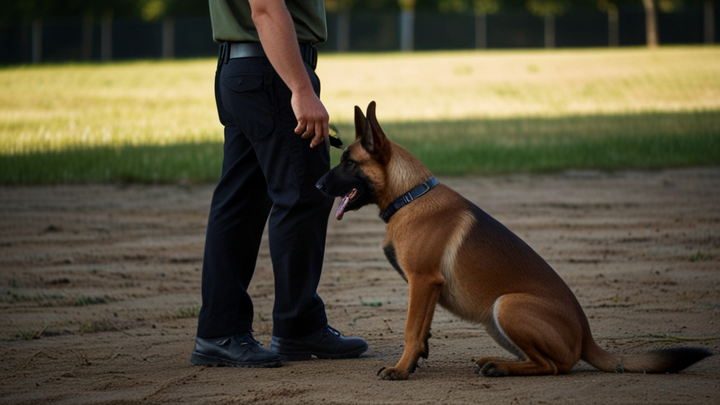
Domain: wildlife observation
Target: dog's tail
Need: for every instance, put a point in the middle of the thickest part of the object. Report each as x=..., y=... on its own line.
x=657, y=361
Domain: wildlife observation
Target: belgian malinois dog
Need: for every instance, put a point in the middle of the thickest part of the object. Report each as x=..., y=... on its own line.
x=452, y=252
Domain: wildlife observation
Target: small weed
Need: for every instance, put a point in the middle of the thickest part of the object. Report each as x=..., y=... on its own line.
x=371, y=303
x=700, y=257
x=102, y=325
x=186, y=312
x=29, y=334
x=84, y=300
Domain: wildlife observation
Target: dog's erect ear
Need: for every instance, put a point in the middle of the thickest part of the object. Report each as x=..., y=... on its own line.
x=361, y=129
x=380, y=146
x=360, y=123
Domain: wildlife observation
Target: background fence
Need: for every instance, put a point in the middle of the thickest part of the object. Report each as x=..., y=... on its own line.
x=71, y=39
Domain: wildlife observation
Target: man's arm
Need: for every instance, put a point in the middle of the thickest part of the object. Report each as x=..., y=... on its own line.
x=277, y=36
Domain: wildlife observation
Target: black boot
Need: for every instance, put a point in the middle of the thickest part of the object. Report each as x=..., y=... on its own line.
x=233, y=351
x=326, y=343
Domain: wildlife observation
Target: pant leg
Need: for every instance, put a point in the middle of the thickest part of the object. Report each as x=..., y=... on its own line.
x=298, y=221
x=299, y=215
x=239, y=210
x=257, y=104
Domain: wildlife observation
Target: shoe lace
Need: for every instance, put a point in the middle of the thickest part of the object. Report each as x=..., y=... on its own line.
x=250, y=339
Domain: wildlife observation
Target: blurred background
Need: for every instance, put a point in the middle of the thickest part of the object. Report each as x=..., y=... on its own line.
x=53, y=30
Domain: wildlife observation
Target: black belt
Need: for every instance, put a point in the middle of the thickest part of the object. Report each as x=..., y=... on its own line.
x=234, y=50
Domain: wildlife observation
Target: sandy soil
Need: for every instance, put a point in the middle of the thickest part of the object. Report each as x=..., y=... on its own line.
x=99, y=287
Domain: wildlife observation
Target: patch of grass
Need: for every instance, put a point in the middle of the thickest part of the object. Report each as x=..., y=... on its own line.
x=84, y=300
x=460, y=112
x=185, y=312
x=40, y=299
x=636, y=141
x=700, y=257
x=29, y=334
x=605, y=142
x=53, y=300
x=371, y=303
x=98, y=326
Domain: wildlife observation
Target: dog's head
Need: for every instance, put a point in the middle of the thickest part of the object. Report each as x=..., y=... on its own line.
x=360, y=177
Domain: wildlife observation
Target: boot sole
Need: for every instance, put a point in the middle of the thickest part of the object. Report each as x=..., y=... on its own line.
x=198, y=359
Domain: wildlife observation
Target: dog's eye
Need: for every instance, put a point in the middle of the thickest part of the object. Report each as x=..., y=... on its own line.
x=350, y=164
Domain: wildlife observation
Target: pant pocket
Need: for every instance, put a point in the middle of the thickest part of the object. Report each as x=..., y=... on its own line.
x=249, y=102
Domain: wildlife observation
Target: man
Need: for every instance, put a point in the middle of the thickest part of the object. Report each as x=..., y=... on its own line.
x=275, y=125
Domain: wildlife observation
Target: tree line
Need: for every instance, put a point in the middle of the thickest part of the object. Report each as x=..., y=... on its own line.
x=104, y=11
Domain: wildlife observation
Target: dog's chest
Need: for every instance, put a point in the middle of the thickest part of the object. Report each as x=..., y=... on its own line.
x=389, y=250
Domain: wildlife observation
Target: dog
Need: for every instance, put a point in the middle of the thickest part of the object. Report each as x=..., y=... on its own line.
x=453, y=253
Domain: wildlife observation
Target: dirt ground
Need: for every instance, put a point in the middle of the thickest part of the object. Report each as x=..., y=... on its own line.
x=100, y=286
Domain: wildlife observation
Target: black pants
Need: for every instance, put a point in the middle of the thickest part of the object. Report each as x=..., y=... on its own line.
x=268, y=172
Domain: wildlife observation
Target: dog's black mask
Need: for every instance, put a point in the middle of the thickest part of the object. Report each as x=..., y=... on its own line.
x=346, y=180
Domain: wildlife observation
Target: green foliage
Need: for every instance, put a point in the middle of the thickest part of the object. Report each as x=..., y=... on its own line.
x=486, y=6
x=670, y=6
x=153, y=9
x=548, y=8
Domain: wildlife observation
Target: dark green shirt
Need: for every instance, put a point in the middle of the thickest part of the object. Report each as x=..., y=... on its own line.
x=231, y=20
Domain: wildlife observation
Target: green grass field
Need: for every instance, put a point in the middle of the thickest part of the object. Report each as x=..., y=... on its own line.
x=460, y=112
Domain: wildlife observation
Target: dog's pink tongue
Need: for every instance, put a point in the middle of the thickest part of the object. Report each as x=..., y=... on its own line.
x=343, y=203
x=341, y=207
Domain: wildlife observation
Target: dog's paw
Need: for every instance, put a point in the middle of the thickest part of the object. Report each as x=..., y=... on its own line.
x=489, y=369
x=392, y=373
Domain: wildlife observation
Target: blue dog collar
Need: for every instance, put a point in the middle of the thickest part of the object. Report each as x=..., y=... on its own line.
x=408, y=197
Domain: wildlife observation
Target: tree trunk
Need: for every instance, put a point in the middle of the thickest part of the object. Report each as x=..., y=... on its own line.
x=709, y=26
x=36, y=41
x=106, y=37
x=613, y=26
x=651, y=25
x=168, y=38
x=87, y=36
x=549, y=31
x=481, y=40
x=407, y=30
x=343, y=30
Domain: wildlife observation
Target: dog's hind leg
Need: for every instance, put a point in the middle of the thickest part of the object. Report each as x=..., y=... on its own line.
x=423, y=297
x=546, y=340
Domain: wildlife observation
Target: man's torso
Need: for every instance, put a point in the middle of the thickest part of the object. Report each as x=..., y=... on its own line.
x=231, y=20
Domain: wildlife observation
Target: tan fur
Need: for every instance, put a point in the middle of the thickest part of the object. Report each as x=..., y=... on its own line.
x=453, y=253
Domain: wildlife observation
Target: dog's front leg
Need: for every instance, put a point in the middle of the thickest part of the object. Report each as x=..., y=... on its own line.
x=423, y=296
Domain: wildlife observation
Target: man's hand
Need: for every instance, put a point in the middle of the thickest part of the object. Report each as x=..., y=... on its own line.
x=277, y=36
x=311, y=116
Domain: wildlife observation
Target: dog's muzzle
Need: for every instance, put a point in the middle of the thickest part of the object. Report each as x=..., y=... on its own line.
x=322, y=184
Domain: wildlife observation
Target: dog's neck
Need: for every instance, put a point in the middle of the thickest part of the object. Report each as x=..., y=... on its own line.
x=407, y=172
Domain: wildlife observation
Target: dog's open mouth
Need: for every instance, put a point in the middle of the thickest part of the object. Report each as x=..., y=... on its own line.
x=344, y=202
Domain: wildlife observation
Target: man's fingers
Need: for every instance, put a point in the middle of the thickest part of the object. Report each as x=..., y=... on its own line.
x=301, y=125
x=317, y=139
x=309, y=131
x=321, y=135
